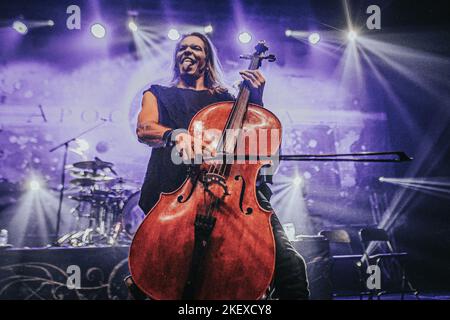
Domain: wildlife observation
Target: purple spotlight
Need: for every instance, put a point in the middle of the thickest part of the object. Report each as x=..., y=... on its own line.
x=20, y=27
x=208, y=29
x=34, y=185
x=314, y=38
x=98, y=30
x=173, y=34
x=132, y=26
x=245, y=37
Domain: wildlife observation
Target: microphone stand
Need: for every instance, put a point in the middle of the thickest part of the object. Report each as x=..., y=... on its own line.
x=65, y=144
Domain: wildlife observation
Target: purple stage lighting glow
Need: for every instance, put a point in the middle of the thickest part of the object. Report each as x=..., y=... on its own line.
x=132, y=26
x=245, y=37
x=208, y=29
x=314, y=38
x=98, y=30
x=173, y=34
x=352, y=35
x=20, y=27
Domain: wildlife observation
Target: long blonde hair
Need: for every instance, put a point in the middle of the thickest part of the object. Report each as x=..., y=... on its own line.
x=213, y=71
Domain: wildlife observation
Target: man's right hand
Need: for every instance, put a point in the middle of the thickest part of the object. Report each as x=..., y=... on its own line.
x=191, y=147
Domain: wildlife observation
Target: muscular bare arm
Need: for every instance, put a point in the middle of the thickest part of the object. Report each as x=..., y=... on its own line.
x=150, y=132
x=148, y=129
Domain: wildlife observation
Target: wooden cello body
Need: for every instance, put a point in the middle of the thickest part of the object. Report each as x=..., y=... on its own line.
x=239, y=256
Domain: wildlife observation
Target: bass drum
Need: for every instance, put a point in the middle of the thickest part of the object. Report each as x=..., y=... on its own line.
x=132, y=214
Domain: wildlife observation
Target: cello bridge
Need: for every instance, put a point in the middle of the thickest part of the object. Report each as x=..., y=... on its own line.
x=215, y=184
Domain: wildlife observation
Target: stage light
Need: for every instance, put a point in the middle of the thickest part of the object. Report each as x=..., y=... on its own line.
x=35, y=182
x=297, y=181
x=314, y=38
x=312, y=143
x=288, y=33
x=20, y=27
x=245, y=37
x=173, y=34
x=208, y=29
x=352, y=35
x=51, y=23
x=98, y=30
x=381, y=179
x=132, y=26
x=34, y=185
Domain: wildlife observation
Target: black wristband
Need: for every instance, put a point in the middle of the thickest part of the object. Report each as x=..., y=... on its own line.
x=167, y=138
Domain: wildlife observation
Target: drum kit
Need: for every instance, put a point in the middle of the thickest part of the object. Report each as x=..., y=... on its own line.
x=106, y=211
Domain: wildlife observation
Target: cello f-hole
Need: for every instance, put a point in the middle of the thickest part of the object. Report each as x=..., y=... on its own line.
x=249, y=210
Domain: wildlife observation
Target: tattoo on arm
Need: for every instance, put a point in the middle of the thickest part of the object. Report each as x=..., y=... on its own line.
x=149, y=134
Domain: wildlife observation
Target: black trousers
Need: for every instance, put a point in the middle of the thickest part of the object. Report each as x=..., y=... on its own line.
x=290, y=280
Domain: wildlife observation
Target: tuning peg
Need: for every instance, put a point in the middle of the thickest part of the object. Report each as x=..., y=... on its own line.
x=270, y=57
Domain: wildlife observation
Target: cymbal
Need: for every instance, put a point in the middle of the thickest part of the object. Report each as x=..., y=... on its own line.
x=87, y=182
x=86, y=174
x=100, y=194
x=96, y=196
x=83, y=182
x=121, y=184
x=93, y=165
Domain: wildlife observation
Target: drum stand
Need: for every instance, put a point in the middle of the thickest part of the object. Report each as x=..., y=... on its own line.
x=65, y=144
x=104, y=228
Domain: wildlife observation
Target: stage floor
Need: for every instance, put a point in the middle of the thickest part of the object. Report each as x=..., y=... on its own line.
x=49, y=274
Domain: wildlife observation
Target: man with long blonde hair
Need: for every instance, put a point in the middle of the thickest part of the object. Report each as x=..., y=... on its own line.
x=197, y=84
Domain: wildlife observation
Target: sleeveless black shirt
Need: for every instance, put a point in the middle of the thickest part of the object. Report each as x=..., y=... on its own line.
x=176, y=107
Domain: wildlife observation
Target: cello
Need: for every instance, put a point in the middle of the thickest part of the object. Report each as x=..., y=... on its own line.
x=210, y=238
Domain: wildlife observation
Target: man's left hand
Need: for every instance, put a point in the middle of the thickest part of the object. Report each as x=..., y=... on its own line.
x=256, y=82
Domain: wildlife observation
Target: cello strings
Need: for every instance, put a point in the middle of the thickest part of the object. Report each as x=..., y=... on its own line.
x=236, y=113
x=239, y=113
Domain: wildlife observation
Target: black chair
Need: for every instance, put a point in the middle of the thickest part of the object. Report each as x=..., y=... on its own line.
x=341, y=249
x=374, y=238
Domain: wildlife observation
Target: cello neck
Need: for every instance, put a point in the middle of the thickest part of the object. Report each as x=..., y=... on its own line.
x=240, y=106
x=236, y=119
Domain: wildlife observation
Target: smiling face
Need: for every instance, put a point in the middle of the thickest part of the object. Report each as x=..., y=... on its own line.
x=191, y=57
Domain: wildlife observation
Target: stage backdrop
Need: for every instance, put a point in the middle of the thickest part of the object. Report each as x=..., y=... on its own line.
x=45, y=103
